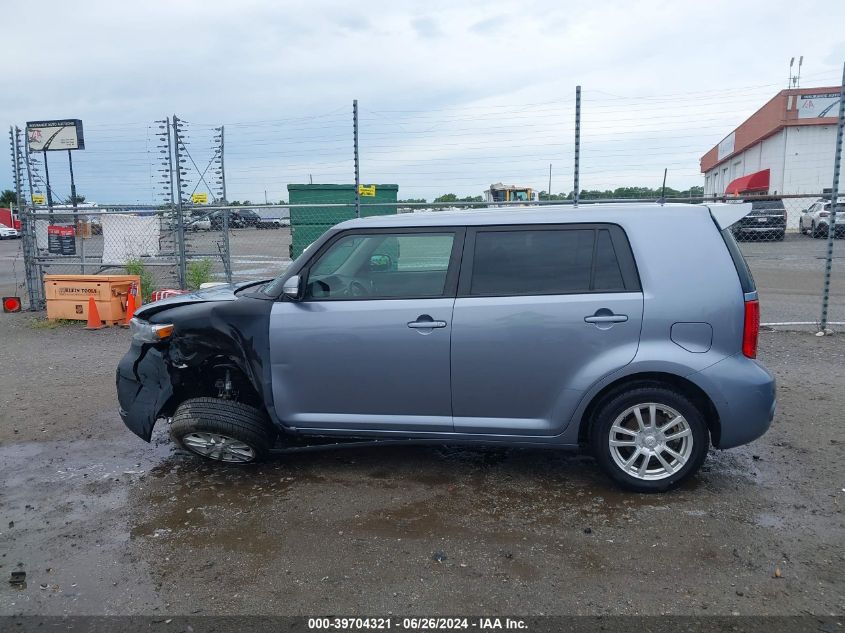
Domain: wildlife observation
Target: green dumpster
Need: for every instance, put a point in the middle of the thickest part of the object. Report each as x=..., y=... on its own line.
x=309, y=223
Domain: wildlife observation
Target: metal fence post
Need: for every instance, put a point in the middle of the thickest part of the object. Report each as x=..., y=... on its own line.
x=180, y=221
x=227, y=247
x=27, y=226
x=227, y=252
x=577, y=141
x=73, y=201
x=355, y=143
x=834, y=194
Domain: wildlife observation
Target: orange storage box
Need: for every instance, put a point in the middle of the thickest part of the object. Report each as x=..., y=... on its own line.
x=68, y=295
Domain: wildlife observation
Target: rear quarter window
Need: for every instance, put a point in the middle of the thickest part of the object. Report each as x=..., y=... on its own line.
x=746, y=280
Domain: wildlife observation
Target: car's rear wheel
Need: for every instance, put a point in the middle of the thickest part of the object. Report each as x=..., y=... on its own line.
x=815, y=231
x=649, y=439
x=222, y=430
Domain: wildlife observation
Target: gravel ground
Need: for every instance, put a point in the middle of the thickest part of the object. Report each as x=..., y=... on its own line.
x=103, y=523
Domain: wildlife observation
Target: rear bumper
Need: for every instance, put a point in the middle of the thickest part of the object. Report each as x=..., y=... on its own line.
x=744, y=394
x=143, y=388
x=760, y=227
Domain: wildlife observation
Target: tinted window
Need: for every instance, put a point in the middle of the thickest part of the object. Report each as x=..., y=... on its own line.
x=607, y=274
x=767, y=205
x=742, y=270
x=549, y=261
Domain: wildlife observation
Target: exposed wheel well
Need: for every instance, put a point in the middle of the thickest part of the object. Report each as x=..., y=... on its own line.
x=208, y=380
x=689, y=389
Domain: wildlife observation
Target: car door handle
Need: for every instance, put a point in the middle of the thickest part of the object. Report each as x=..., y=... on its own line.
x=606, y=318
x=425, y=322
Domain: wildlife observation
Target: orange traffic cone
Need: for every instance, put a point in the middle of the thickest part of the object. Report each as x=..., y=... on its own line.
x=130, y=305
x=94, y=322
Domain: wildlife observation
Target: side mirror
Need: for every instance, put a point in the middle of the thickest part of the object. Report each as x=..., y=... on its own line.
x=379, y=263
x=293, y=288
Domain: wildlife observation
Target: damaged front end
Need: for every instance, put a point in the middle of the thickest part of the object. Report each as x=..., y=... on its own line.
x=144, y=388
x=211, y=344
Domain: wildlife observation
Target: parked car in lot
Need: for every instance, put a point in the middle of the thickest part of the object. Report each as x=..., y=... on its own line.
x=202, y=223
x=238, y=219
x=273, y=223
x=816, y=219
x=628, y=330
x=8, y=233
x=766, y=221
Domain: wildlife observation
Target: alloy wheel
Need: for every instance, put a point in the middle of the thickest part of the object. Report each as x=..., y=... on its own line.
x=219, y=447
x=650, y=441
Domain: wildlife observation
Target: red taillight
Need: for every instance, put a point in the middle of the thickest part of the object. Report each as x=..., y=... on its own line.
x=751, y=329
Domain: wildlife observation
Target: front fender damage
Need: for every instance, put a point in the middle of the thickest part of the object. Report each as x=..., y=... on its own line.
x=143, y=388
x=212, y=342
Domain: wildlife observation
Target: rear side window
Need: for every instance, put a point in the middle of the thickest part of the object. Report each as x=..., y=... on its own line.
x=549, y=261
x=745, y=278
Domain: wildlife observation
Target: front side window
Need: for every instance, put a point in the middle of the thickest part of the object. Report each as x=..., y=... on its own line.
x=382, y=266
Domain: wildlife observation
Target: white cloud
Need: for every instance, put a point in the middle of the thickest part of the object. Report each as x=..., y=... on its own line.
x=446, y=89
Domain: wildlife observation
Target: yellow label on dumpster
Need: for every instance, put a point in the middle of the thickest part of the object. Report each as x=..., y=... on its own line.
x=38, y=198
x=367, y=190
x=199, y=198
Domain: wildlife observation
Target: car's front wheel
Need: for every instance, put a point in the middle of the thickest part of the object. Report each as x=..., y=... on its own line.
x=649, y=439
x=222, y=430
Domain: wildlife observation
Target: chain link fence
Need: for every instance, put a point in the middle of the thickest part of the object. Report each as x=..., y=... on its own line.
x=781, y=239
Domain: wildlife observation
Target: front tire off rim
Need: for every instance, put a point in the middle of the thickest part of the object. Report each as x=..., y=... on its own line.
x=219, y=447
x=650, y=441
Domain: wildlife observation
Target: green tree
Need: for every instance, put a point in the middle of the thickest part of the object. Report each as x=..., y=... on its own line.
x=451, y=197
x=8, y=198
x=413, y=201
x=77, y=198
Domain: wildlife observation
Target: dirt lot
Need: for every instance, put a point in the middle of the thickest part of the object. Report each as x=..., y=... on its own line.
x=103, y=523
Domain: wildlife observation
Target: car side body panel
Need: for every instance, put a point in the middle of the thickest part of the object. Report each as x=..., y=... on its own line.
x=687, y=277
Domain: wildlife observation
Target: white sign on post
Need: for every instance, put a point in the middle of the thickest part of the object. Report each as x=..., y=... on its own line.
x=45, y=136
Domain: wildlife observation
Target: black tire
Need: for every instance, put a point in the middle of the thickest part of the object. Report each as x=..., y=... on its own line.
x=815, y=232
x=200, y=418
x=616, y=403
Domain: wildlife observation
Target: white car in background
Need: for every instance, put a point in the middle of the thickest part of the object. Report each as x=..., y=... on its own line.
x=200, y=224
x=8, y=233
x=815, y=220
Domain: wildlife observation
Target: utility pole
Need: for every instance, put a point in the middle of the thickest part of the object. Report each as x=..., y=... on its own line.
x=180, y=221
x=577, y=141
x=834, y=194
x=355, y=143
x=550, y=182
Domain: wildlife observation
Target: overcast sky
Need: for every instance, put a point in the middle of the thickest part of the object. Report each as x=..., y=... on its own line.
x=453, y=95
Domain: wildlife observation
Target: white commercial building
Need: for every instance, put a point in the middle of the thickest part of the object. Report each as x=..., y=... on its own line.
x=786, y=147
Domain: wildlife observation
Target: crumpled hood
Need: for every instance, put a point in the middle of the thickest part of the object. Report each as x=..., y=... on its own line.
x=217, y=293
